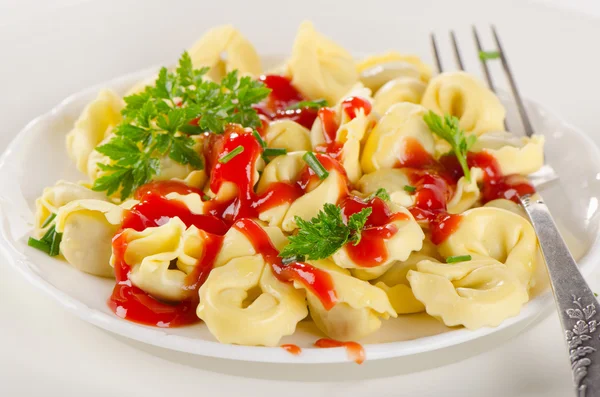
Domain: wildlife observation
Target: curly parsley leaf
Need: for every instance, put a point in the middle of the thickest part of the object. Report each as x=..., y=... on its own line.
x=325, y=234
x=160, y=121
x=449, y=130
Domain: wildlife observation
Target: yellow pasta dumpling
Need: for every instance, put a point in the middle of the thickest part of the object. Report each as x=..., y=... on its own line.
x=377, y=70
x=467, y=193
x=284, y=169
x=465, y=97
x=475, y=293
x=319, y=67
x=396, y=285
x=308, y=206
x=400, y=89
x=54, y=197
x=242, y=302
x=289, y=135
x=507, y=205
x=152, y=253
x=407, y=238
x=515, y=155
x=236, y=244
x=495, y=233
x=92, y=126
x=87, y=228
x=392, y=180
x=393, y=139
x=358, y=309
x=239, y=53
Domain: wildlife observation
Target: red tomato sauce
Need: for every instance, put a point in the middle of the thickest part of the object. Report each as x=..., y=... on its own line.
x=354, y=350
x=371, y=250
x=292, y=349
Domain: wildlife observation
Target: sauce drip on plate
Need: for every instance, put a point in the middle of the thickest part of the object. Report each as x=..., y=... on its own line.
x=354, y=350
x=292, y=349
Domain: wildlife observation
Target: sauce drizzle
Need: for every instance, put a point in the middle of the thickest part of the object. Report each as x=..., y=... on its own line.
x=292, y=349
x=354, y=350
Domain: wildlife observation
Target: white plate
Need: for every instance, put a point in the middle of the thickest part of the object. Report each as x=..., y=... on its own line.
x=37, y=158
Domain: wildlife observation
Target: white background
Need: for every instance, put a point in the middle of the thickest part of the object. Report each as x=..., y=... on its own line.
x=49, y=49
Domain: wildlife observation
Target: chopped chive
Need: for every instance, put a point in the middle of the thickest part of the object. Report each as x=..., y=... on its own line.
x=316, y=104
x=293, y=259
x=38, y=244
x=272, y=152
x=262, y=142
x=55, y=245
x=227, y=158
x=48, y=220
x=485, y=55
x=458, y=258
x=410, y=189
x=205, y=197
x=47, y=238
x=314, y=163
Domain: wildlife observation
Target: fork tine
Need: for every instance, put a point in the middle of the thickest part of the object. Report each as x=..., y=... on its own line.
x=436, y=54
x=457, y=56
x=513, y=86
x=484, y=66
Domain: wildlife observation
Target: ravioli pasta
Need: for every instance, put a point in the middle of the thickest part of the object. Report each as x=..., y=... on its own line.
x=331, y=197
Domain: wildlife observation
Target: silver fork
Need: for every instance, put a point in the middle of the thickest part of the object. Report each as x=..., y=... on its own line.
x=574, y=299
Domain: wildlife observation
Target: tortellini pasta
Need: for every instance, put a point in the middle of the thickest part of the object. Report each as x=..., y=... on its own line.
x=240, y=53
x=407, y=238
x=92, y=126
x=467, y=192
x=242, y=302
x=514, y=155
x=489, y=232
x=401, y=89
x=396, y=285
x=55, y=197
x=462, y=95
x=359, y=308
x=87, y=228
x=477, y=293
x=162, y=257
x=308, y=206
x=289, y=135
x=319, y=67
x=392, y=140
x=377, y=70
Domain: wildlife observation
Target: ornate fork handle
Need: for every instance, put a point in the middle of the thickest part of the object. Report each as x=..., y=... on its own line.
x=575, y=300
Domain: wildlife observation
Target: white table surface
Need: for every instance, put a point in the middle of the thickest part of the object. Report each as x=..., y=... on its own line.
x=53, y=48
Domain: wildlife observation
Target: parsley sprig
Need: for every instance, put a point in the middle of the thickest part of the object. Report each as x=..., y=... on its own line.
x=161, y=120
x=325, y=234
x=449, y=130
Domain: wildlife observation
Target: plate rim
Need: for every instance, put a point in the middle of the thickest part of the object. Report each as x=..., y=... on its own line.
x=158, y=337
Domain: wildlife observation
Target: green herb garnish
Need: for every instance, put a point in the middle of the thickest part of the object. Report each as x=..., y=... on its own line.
x=314, y=163
x=160, y=121
x=449, y=130
x=293, y=259
x=410, y=189
x=323, y=235
x=273, y=152
x=259, y=138
x=316, y=104
x=381, y=193
x=485, y=55
x=458, y=258
x=50, y=242
x=229, y=156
